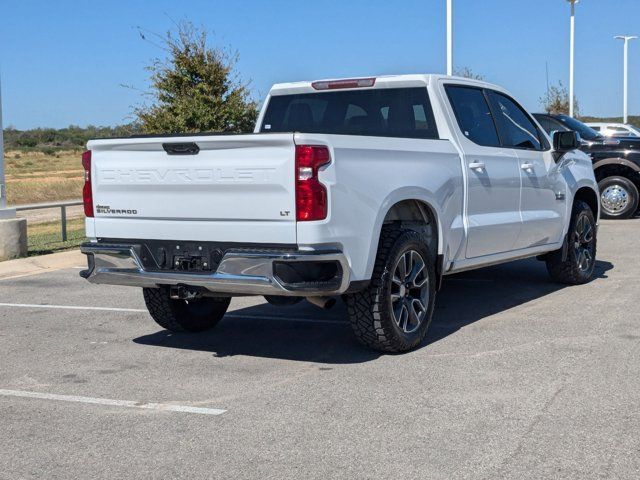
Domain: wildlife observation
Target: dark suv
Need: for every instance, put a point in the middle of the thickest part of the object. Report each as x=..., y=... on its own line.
x=616, y=164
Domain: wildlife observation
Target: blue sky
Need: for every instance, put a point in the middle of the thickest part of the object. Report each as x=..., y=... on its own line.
x=63, y=62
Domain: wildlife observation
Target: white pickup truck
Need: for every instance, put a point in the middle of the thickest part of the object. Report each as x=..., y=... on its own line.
x=368, y=188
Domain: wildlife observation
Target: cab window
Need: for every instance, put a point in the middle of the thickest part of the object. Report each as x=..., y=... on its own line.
x=473, y=115
x=515, y=128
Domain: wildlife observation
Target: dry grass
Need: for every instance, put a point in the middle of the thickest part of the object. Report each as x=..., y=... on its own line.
x=34, y=177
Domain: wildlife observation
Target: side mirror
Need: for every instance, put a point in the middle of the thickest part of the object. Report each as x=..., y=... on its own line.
x=565, y=141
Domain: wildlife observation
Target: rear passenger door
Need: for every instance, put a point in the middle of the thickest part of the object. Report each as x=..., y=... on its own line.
x=492, y=175
x=542, y=203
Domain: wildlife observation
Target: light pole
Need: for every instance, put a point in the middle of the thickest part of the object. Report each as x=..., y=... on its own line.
x=13, y=231
x=3, y=190
x=4, y=211
x=449, y=37
x=572, y=31
x=626, y=39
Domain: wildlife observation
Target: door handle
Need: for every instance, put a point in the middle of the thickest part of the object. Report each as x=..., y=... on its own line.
x=476, y=165
x=527, y=166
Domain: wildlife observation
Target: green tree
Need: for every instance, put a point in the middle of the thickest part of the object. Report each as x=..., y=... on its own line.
x=556, y=101
x=195, y=88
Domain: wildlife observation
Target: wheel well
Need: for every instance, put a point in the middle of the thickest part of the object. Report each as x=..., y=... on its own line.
x=588, y=196
x=416, y=215
x=619, y=170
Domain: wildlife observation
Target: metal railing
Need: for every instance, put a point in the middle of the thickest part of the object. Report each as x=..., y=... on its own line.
x=61, y=205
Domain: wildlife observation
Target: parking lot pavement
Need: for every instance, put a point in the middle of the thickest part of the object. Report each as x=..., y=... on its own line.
x=519, y=378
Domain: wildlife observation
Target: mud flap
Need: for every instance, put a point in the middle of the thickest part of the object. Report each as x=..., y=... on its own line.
x=562, y=251
x=439, y=272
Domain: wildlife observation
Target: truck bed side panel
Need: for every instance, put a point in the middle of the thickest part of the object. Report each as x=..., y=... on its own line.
x=368, y=176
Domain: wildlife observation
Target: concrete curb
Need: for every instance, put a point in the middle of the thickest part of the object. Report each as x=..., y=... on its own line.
x=34, y=265
x=13, y=238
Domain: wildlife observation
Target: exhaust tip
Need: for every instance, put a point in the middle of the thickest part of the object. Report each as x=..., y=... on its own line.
x=325, y=303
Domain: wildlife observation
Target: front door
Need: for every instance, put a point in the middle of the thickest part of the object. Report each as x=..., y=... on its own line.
x=543, y=197
x=543, y=204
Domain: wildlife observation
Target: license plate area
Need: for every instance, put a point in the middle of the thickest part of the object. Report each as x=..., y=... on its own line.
x=188, y=263
x=187, y=257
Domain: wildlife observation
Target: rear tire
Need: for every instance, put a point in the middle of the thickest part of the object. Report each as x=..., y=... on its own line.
x=618, y=197
x=394, y=312
x=194, y=315
x=581, y=241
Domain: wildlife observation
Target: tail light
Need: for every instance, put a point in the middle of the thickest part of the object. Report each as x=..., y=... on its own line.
x=311, y=195
x=87, y=193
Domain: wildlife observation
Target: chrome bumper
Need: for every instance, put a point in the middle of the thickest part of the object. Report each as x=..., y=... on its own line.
x=241, y=273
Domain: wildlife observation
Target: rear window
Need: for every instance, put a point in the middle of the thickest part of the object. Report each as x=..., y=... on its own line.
x=389, y=112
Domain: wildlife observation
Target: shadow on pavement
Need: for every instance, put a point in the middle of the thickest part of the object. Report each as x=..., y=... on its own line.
x=306, y=333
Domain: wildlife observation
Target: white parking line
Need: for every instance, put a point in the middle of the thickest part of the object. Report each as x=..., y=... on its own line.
x=139, y=310
x=165, y=407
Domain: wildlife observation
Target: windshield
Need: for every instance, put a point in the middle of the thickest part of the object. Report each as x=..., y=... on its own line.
x=586, y=133
x=634, y=129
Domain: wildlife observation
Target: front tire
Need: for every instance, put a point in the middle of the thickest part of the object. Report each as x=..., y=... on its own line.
x=195, y=315
x=618, y=197
x=394, y=312
x=579, y=263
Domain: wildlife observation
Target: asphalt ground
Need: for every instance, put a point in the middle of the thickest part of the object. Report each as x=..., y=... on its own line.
x=519, y=378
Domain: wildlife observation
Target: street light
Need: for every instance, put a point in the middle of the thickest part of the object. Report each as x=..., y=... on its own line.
x=3, y=190
x=572, y=30
x=626, y=39
x=4, y=211
x=13, y=231
x=449, y=38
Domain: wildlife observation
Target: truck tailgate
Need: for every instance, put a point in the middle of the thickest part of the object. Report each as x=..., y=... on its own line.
x=237, y=188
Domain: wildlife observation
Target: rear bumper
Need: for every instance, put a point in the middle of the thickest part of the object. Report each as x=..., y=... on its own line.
x=239, y=273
